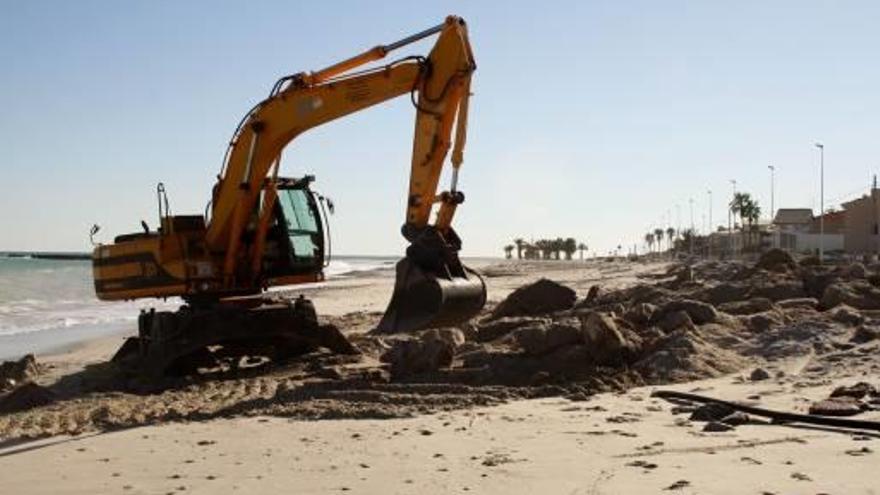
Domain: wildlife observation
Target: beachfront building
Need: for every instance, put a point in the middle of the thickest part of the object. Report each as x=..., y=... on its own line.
x=797, y=230
x=861, y=223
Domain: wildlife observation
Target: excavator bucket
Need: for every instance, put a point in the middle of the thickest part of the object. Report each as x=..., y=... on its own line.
x=427, y=299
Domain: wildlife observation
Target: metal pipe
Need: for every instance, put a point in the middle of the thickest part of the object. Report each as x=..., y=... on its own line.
x=413, y=38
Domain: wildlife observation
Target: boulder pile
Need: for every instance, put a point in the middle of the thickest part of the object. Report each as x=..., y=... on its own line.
x=695, y=321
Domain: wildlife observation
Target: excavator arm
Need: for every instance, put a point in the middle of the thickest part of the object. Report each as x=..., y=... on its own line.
x=441, y=83
x=432, y=286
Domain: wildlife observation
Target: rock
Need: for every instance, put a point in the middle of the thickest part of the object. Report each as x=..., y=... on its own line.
x=856, y=270
x=592, y=294
x=776, y=260
x=495, y=329
x=27, y=396
x=537, y=340
x=414, y=356
x=815, y=282
x=451, y=336
x=684, y=275
x=711, y=411
x=541, y=297
x=847, y=315
x=865, y=334
x=640, y=313
x=727, y=292
x=716, y=427
x=675, y=320
x=759, y=374
x=778, y=290
x=810, y=261
x=18, y=372
x=858, y=391
x=799, y=302
x=698, y=311
x=859, y=295
x=751, y=306
x=564, y=332
x=839, y=406
x=531, y=339
x=604, y=341
x=762, y=322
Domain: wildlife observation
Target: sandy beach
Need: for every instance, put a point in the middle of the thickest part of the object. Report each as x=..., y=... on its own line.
x=307, y=429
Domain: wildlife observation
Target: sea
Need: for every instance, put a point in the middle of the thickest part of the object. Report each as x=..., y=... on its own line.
x=50, y=304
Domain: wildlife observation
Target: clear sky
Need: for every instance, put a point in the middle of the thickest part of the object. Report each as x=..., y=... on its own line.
x=589, y=119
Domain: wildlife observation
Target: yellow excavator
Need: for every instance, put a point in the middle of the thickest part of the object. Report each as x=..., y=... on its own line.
x=261, y=230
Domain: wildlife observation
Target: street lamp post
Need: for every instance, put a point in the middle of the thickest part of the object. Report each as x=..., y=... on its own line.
x=709, y=233
x=772, y=191
x=821, y=202
x=729, y=222
x=691, y=247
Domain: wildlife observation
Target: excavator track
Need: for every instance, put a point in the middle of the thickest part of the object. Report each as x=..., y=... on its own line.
x=180, y=342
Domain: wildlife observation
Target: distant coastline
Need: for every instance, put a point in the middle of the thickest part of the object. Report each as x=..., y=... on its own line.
x=46, y=256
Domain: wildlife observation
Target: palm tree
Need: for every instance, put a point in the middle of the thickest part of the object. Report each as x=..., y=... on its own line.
x=545, y=248
x=569, y=246
x=743, y=205
x=752, y=212
x=508, y=251
x=649, y=240
x=520, y=244
x=670, y=235
x=658, y=236
x=582, y=247
x=558, y=247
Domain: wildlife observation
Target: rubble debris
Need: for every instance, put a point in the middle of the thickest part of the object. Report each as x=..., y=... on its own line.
x=857, y=294
x=717, y=427
x=727, y=292
x=759, y=374
x=778, y=290
x=698, y=311
x=711, y=411
x=538, y=339
x=858, y=391
x=856, y=270
x=495, y=329
x=27, y=396
x=605, y=343
x=747, y=307
x=847, y=315
x=675, y=320
x=640, y=313
x=776, y=260
x=864, y=334
x=800, y=302
x=409, y=356
x=18, y=372
x=838, y=406
x=541, y=297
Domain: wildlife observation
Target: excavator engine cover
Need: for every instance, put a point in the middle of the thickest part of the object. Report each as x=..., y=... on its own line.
x=432, y=288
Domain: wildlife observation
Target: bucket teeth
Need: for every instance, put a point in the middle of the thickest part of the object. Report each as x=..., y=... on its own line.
x=423, y=299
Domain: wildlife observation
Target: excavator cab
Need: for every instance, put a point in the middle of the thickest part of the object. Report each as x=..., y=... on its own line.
x=297, y=240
